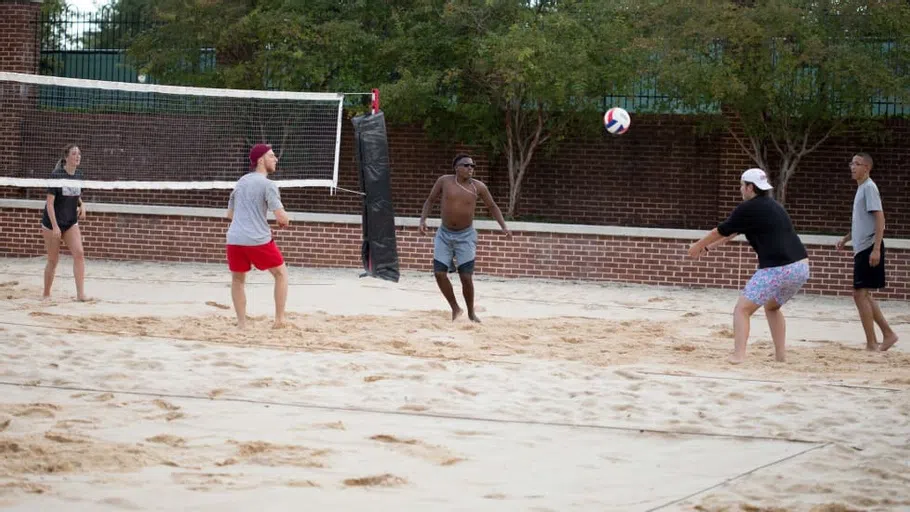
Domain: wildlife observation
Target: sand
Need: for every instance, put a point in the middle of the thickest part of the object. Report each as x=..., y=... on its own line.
x=569, y=396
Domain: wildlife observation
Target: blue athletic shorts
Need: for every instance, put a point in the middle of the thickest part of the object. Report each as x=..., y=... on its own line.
x=454, y=249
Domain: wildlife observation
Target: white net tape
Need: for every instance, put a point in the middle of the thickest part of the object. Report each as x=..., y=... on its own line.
x=154, y=137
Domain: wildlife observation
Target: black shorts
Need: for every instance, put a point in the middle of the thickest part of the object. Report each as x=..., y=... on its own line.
x=63, y=227
x=865, y=276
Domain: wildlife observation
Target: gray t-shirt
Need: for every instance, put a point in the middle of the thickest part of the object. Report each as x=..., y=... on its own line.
x=252, y=198
x=866, y=201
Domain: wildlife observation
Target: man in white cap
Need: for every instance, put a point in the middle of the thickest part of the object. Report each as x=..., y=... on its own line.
x=783, y=263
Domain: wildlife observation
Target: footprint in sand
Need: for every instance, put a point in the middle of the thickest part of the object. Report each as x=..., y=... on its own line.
x=495, y=496
x=27, y=487
x=414, y=407
x=205, y=481
x=61, y=438
x=168, y=440
x=302, y=483
x=167, y=406
x=215, y=393
x=335, y=425
x=34, y=410
x=412, y=447
x=67, y=424
x=263, y=453
x=120, y=503
x=723, y=333
x=385, y=480
x=628, y=374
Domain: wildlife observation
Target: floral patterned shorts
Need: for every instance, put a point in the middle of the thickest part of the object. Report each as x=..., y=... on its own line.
x=778, y=283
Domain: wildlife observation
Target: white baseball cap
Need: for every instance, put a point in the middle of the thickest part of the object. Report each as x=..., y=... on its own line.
x=757, y=177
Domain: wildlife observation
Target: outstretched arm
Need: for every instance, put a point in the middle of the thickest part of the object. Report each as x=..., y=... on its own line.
x=434, y=193
x=722, y=241
x=493, y=207
x=696, y=249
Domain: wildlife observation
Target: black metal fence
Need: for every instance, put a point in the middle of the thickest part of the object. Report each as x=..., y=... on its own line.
x=92, y=45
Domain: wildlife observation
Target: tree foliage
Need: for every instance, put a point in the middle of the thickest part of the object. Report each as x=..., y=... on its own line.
x=789, y=73
x=511, y=75
x=518, y=76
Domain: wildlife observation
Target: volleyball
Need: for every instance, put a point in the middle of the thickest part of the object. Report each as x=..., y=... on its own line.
x=617, y=121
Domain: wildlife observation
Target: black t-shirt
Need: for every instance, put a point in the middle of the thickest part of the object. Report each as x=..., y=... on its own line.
x=768, y=228
x=66, y=200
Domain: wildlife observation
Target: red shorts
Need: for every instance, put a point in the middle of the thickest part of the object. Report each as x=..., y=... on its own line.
x=242, y=257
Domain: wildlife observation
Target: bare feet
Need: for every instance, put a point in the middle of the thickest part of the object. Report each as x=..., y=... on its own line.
x=888, y=342
x=83, y=299
x=873, y=347
x=456, y=312
x=473, y=318
x=737, y=358
x=280, y=323
x=780, y=358
x=46, y=297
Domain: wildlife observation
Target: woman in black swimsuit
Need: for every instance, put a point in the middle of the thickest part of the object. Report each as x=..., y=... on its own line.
x=62, y=213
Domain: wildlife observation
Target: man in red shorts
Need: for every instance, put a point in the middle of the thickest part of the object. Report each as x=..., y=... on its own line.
x=249, y=238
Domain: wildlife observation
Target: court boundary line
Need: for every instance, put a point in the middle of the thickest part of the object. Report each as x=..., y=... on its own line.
x=388, y=412
x=742, y=475
x=745, y=379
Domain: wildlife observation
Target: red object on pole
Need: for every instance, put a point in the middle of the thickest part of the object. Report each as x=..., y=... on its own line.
x=375, y=101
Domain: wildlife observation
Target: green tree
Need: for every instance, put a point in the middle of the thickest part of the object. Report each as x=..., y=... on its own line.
x=118, y=23
x=53, y=36
x=320, y=45
x=515, y=76
x=789, y=73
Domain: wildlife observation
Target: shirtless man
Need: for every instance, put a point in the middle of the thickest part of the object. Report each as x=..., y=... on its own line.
x=456, y=238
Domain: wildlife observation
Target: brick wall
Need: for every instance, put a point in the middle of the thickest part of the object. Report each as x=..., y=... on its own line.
x=661, y=174
x=19, y=35
x=18, y=54
x=647, y=260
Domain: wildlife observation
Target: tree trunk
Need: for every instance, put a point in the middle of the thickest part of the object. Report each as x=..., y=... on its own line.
x=514, y=195
x=522, y=140
x=787, y=168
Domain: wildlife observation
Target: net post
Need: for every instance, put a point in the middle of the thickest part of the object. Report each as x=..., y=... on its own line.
x=375, y=102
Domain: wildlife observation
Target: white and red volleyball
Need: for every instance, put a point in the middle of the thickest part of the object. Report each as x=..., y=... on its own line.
x=617, y=121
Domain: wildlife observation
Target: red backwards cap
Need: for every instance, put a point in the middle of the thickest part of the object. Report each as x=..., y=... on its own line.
x=256, y=153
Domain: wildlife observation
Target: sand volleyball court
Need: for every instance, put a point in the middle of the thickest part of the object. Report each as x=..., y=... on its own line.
x=570, y=396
